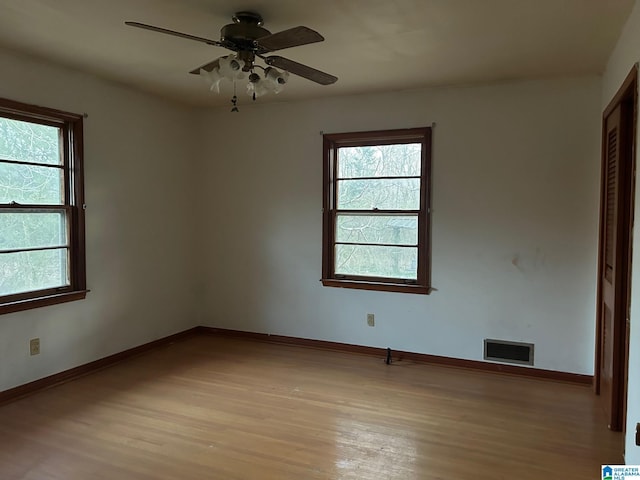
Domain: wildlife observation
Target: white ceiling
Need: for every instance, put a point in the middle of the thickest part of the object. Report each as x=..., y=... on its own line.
x=371, y=45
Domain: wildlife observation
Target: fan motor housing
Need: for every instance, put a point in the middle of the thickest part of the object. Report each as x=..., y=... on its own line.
x=242, y=35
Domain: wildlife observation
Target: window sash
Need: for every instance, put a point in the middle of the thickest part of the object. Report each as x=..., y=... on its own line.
x=67, y=246
x=370, y=160
x=38, y=134
x=386, y=196
x=400, y=262
x=34, y=184
x=65, y=211
x=54, y=277
x=377, y=214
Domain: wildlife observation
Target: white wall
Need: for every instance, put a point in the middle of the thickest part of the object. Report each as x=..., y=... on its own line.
x=515, y=209
x=515, y=204
x=139, y=224
x=622, y=59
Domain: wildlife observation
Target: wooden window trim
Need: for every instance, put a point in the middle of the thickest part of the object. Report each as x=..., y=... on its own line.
x=71, y=128
x=331, y=143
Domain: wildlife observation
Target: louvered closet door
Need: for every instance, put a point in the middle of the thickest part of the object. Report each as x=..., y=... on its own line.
x=610, y=311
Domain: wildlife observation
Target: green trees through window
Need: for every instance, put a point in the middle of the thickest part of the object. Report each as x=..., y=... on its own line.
x=376, y=210
x=41, y=207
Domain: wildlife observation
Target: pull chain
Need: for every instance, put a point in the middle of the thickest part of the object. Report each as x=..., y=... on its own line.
x=234, y=100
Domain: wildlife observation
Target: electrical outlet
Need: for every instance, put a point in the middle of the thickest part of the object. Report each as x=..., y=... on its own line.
x=34, y=346
x=371, y=321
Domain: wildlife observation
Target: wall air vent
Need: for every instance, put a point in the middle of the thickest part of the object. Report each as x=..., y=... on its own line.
x=510, y=352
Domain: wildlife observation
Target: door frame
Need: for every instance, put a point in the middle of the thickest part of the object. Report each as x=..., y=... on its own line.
x=627, y=93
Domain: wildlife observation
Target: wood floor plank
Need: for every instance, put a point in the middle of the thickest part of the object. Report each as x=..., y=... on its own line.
x=228, y=408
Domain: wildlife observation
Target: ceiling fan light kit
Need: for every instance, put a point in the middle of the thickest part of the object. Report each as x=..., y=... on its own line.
x=250, y=41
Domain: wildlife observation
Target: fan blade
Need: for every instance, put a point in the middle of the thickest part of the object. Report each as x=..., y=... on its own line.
x=289, y=38
x=207, y=66
x=300, y=70
x=208, y=41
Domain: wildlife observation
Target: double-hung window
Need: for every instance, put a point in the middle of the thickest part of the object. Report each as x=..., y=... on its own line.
x=42, y=252
x=376, y=212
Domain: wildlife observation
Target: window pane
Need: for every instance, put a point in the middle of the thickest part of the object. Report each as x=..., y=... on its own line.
x=26, y=271
x=385, y=194
x=374, y=261
x=396, y=230
x=28, y=184
x=380, y=161
x=29, y=142
x=32, y=230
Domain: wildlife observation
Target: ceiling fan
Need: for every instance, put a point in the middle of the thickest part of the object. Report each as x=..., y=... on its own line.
x=250, y=41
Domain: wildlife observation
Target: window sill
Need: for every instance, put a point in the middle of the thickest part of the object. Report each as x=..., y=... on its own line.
x=381, y=287
x=20, y=305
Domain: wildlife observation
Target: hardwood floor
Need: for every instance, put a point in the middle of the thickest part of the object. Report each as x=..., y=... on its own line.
x=224, y=408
